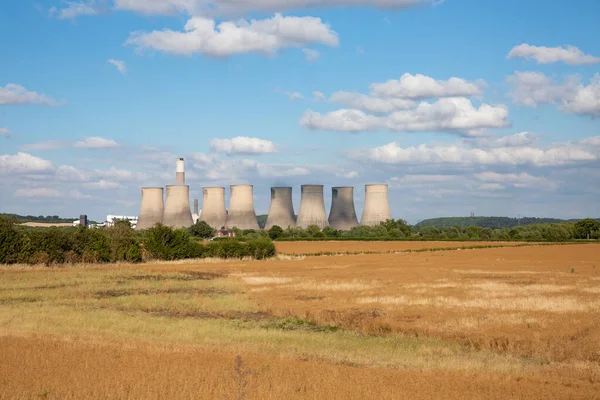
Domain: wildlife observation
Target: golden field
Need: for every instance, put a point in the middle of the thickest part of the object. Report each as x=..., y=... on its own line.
x=507, y=322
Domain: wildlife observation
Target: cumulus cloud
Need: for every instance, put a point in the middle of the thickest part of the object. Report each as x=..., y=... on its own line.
x=311, y=55
x=23, y=163
x=318, y=96
x=421, y=87
x=119, y=65
x=548, y=55
x=516, y=140
x=213, y=168
x=95, y=142
x=74, y=9
x=36, y=193
x=240, y=7
x=572, y=96
x=461, y=154
x=518, y=180
x=266, y=36
x=242, y=145
x=102, y=184
x=370, y=103
x=5, y=132
x=76, y=194
x=291, y=95
x=45, y=145
x=17, y=94
x=453, y=114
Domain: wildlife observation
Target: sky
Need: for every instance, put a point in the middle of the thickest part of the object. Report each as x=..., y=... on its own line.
x=460, y=106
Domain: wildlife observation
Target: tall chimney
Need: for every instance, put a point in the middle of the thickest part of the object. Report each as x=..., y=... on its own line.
x=281, y=210
x=180, y=172
x=152, y=207
x=377, y=207
x=342, y=215
x=312, y=207
x=241, y=208
x=213, y=207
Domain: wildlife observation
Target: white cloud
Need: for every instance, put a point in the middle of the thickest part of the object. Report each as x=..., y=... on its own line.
x=421, y=87
x=120, y=174
x=22, y=163
x=369, y=103
x=240, y=7
x=462, y=155
x=102, y=184
x=519, y=180
x=491, y=186
x=46, y=145
x=447, y=114
x=76, y=194
x=95, y=142
x=74, y=10
x=266, y=36
x=242, y=145
x=311, y=55
x=120, y=65
x=518, y=139
x=17, y=94
x=318, y=96
x=291, y=95
x=548, y=55
x=534, y=88
x=5, y=132
x=36, y=193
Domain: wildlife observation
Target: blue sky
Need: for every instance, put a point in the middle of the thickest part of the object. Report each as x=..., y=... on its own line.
x=460, y=106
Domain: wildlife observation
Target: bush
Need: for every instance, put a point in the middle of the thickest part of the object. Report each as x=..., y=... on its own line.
x=202, y=229
x=163, y=243
x=587, y=227
x=121, y=239
x=15, y=245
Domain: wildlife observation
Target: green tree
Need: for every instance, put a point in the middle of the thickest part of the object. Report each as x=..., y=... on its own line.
x=202, y=229
x=276, y=232
x=586, y=227
x=15, y=245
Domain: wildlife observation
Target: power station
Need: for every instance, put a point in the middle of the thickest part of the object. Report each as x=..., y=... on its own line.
x=241, y=208
x=281, y=210
x=377, y=207
x=213, y=207
x=312, y=207
x=342, y=215
x=174, y=211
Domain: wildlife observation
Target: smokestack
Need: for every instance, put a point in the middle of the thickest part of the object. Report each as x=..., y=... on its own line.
x=213, y=207
x=312, y=207
x=151, y=209
x=281, y=211
x=177, y=207
x=241, y=208
x=180, y=172
x=342, y=215
x=377, y=208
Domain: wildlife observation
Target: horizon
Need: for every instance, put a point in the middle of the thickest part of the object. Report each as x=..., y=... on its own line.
x=459, y=107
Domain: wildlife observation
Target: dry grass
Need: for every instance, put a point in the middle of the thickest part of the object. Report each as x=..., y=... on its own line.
x=497, y=323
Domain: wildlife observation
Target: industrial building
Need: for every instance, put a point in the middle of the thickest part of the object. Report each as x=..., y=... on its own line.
x=175, y=210
x=281, y=210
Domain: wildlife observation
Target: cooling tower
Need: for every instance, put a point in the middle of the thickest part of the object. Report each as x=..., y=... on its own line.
x=377, y=208
x=342, y=215
x=177, y=207
x=151, y=209
x=241, y=208
x=281, y=211
x=213, y=207
x=312, y=207
x=180, y=172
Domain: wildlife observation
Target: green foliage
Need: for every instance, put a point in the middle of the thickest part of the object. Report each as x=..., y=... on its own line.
x=231, y=248
x=163, y=243
x=487, y=222
x=15, y=245
x=276, y=232
x=202, y=229
x=587, y=227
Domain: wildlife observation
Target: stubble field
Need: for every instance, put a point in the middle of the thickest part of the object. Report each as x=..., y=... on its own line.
x=510, y=322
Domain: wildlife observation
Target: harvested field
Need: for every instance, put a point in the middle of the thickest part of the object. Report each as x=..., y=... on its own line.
x=357, y=247
x=520, y=322
x=46, y=224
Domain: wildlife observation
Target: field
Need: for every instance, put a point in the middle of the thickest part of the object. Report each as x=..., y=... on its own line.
x=47, y=224
x=494, y=323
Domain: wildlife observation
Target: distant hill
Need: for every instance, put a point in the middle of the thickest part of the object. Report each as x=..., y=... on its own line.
x=488, y=222
x=49, y=219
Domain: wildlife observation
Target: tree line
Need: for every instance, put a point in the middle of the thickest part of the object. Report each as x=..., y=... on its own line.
x=488, y=222
x=118, y=243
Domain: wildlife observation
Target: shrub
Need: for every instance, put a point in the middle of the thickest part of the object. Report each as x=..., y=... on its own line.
x=202, y=229
x=276, y=232
x=15, y=245
x=163, y=243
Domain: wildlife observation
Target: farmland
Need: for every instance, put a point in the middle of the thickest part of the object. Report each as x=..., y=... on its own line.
x=498, y=322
